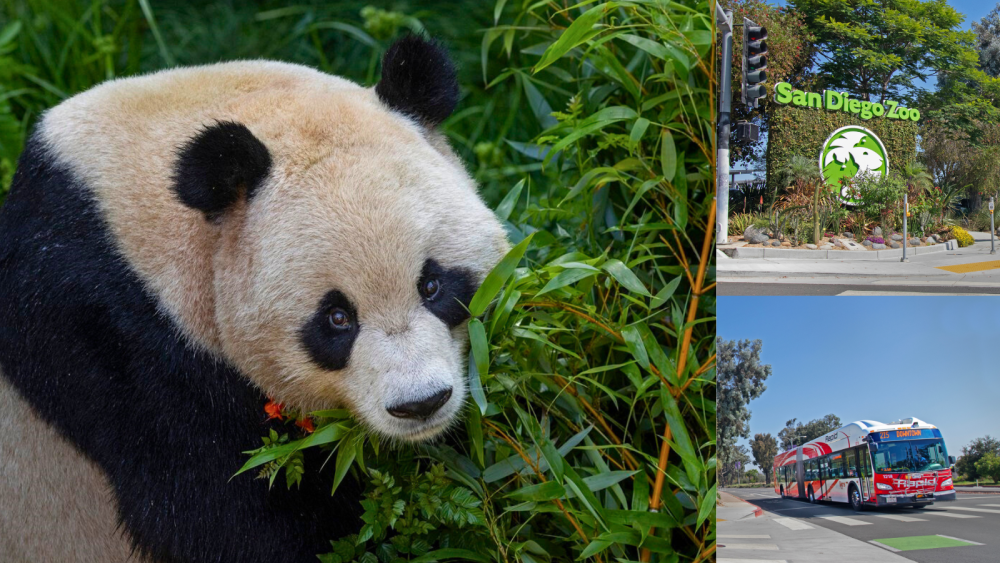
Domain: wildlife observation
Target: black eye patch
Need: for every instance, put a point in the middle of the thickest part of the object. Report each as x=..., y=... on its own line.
x=454, y=290
x=330, y=333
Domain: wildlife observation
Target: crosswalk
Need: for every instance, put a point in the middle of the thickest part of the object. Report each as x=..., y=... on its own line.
x=723, y=539
x=761, y=548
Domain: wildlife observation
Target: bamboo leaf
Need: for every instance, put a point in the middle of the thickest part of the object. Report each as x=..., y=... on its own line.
x=578, y=32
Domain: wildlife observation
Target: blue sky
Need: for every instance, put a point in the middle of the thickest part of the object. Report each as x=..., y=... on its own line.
x=874, y=358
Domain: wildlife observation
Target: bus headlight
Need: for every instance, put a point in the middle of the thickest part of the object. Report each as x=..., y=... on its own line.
x=946, y=483
x=883, y=487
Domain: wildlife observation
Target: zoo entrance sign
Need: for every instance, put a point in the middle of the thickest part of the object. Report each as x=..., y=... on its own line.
x=836, y=101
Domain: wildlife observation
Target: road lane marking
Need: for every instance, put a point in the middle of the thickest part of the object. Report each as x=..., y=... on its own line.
x=845, y=520
x=729, y=560
x=900, y=517
x=997, y=505
x=883, y=546
x=970, y=509
x=751, y=546
x=793, y=524
x=743, y=536
x=861, y=293
x=950, y=515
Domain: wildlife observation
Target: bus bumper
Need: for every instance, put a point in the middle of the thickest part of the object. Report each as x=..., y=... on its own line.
x=896, y=500
x=945, y=496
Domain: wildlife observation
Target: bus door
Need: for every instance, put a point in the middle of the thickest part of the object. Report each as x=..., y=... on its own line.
x=865, y=470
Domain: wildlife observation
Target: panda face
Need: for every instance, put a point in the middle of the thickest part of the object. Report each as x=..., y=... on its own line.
x=346, y=283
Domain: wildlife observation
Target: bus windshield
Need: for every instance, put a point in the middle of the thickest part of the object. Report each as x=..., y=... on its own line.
x=911, y=455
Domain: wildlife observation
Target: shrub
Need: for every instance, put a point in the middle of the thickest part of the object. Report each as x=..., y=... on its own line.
x=989, y=466
x=962, y=236
x=738, y=222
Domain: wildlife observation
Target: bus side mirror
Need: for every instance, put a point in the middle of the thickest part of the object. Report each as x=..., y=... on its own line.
x=951, y=460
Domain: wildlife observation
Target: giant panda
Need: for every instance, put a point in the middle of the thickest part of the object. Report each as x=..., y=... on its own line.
x=178, y=247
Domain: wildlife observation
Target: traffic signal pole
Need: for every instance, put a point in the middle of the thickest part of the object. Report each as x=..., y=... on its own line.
x=724, y=19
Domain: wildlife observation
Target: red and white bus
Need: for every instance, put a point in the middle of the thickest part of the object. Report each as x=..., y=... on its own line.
x=868, y=463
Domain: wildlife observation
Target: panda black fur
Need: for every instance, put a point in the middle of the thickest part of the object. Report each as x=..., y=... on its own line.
x=175, y=247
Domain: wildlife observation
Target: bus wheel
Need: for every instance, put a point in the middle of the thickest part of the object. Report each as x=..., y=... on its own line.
x=812, y=495
x=855, y=497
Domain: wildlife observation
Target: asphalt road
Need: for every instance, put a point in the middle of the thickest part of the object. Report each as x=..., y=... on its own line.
x=971, y=517
x=783, y=289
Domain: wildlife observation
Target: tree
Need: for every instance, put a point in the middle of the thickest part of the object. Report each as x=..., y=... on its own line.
x=972, y=453
x=764, y=448
x=796, y=434
x=987, y=32
x=989, y=466
x=740, y=380
x=880, y=49
x=727, y=472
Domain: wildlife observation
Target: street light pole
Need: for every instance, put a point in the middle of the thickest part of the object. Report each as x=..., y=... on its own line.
x=724, y=19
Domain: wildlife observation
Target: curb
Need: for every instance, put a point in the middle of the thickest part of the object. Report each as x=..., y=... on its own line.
x=846, y=255
x=757, y=512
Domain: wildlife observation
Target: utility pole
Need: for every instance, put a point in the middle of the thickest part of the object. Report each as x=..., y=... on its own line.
x=724, y=19
x=906, y=213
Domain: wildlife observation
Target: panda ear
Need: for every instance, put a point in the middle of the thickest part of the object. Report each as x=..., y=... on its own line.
x=220, y=165
x=418, y=80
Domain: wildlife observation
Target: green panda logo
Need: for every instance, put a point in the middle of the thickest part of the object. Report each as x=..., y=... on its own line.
x=851, y=151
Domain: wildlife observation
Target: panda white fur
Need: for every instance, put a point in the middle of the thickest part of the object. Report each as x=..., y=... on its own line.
x=178, y=246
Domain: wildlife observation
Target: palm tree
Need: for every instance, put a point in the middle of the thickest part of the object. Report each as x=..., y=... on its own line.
x=917, y=178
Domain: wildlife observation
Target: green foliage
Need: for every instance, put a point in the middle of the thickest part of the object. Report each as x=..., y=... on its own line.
x=802, y=131
x=987, y=32
x=973, y=452
x=738, y=222
x=764, y=448
x=989, y=466
x=796, y=433
x=882, y=48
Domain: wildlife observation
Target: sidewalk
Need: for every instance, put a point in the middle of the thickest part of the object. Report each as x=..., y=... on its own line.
x=922, y=269
x=743, y=538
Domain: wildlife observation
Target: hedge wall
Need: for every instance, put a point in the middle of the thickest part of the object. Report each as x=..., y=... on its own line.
x=797, y=130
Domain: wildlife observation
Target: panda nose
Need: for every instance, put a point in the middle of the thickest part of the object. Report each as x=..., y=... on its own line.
x=423, y=408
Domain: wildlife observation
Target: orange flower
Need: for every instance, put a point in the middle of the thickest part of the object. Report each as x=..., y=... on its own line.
x=273, y=409
x=306, y=424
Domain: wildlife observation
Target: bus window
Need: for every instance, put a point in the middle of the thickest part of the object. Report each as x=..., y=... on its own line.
x=837, y=466
x=824, y=467
x=851, y=465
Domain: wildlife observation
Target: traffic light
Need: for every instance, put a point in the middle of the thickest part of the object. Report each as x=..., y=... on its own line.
x=754, y=62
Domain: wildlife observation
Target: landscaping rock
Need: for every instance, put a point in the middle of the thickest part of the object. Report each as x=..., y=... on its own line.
x=937, y=238
x=775, y=243
x=848, y=235
x=811, y=246
x=754, y=235
x=826, y=247
x=914, y=241
x=877, y=232
x=878, y=246
x=786, y=243
x=896, y=245
x=866, y=242
x=897, y=237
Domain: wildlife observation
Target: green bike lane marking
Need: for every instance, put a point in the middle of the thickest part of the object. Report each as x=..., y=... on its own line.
x=921, y=542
